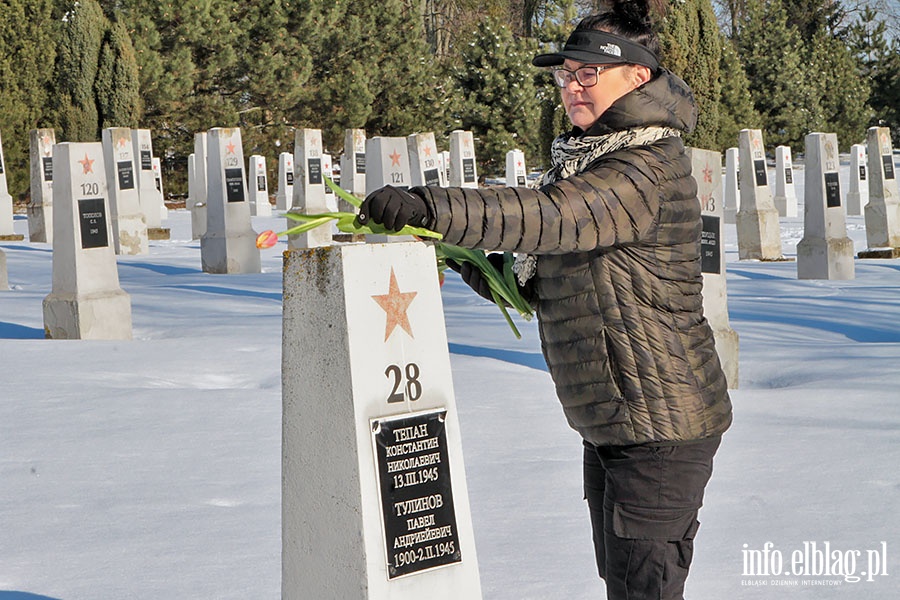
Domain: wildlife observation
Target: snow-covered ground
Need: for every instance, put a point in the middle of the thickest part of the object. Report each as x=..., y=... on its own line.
x=151, y=468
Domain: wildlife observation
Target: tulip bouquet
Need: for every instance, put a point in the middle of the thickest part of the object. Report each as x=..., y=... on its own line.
x=503, y=285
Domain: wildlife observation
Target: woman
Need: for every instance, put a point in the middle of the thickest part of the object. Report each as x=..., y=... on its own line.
x=609, y=253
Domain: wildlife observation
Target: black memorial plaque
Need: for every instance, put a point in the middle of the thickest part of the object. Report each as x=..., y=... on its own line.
x=788, y=175
x=92, y=216
x=737, y=176
x=520, y=180
x=360, y=163
x=832, y=190
x=710, y=256
x=314, y=170
x=290, y=177
x=260, y=183
x=416, y=496
x=1, y=164
x=862, y=172
x=47, y=162
x=234, y=185
x=432, y=177
x=468, y=170
x=125, y=169
x=759, y=167
x=146, y=161
x=888, y=162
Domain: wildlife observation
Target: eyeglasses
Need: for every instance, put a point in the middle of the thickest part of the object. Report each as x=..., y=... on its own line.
x=585, y=76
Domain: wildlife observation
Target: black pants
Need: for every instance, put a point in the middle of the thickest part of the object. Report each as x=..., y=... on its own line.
x=643, y=502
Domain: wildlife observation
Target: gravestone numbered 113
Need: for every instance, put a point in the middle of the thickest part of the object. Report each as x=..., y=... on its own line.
x=7, y=232
x=40, y=205
x=370, y=417
x=85, y=301
x=758, y=229
x=129, y=224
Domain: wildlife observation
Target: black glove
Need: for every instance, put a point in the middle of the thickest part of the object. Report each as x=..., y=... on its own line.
x=394, y=208
x=473, y=277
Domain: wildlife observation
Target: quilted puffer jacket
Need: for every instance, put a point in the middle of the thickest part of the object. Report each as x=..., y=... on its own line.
x=617, y=288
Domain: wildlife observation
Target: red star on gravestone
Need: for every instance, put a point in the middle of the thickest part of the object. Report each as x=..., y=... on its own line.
x=395, y=304
x=230, y=148
x=707, y=174
x=123, y=141
x=518, y=163
x=427, y=150
x=87, y=164
x=395, y=159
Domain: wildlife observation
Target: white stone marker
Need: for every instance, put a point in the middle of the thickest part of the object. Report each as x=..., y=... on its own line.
x=128, y=222
x=229, y=244
x=309, y=188
x=758, y=230
x=785, y=195
x=883, y=209
x=201, y=186
x=284, y=196
x=423, y=160
x=707, y=170
x=259, y=183
x=387, y=163
x=825, y=252
x=516, y=176
x=463, y=172
x=732, y=198
x=331, y=199
x=40, y=206
x=157, y=178
x=85, y=302
x=374, y=497
x=353, y=166
x=445, y=163
x=148, y=194
x=7, y=233
x=858, y=193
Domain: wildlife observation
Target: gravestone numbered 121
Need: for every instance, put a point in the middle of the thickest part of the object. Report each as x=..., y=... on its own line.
x=369, y=417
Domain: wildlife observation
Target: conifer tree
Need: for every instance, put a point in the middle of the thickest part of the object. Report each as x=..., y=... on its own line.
x=879, y=64
x=117, y=86
x=736, y=110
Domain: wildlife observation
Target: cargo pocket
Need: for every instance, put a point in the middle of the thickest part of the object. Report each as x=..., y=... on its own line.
x=639, y=523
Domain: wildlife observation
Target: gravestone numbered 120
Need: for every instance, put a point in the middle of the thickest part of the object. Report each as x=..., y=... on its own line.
x=707, y=169
x=85, y=301
x=7, y=233
x=229, y=244
x=259, y=183
x=129, y=224
x=883, y=210
x=40, y=205
x=825, y=252
x=423, y=160
x=309, y=188
x=785, y=194
x=858, y=192
x=374, y=497
x=758, y=229
x=463, y=172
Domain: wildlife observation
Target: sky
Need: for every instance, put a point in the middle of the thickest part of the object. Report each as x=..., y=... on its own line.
x=151, y=468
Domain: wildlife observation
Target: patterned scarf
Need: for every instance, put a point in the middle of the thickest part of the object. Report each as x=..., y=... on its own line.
x=570, y=155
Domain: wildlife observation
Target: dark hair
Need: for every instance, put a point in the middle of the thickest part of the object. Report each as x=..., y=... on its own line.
x=631, y=19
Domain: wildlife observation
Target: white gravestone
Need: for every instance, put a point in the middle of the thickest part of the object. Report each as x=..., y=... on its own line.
x=785, y=195
x=40, y=206
x=331, y=199
x=825, y=252
x=445, y=163
x=157, y=178
x=387, y=163
x=516, y=176
x=229, y=244
x=7, y=233
x=284, y=196
x=707, y=170
x=259, y=183
x=201, y=185
x=732, y=185
x=463, y=172
x=85, y=302
x=758, y=230
x=150, y=198
x=309, y=188
x=883, y=210
x=4, y=274
x=129, y=224
x=353, y=166
x=858, y=192
x=423, y=160
x=369, y=416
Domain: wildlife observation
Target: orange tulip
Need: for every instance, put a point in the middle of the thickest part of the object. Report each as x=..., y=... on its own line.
x=266, y=239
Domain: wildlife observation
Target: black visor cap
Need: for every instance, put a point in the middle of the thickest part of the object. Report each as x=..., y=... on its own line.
x=594, y=47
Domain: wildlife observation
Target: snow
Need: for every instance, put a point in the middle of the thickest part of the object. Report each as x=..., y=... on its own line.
x=151, y=468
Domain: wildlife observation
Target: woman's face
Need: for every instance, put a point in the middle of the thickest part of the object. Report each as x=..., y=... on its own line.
x=585, y=105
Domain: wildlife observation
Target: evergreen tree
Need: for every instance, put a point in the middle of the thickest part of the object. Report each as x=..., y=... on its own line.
x=736, y=110
x=879, y=64
x=117, y=86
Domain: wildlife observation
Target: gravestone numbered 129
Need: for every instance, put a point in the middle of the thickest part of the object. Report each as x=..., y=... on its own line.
x=7, y=233
x=732, y=185
x=858, y=192
x=129, y=224
x=825, y=252
x=370, y=417
x=309, y=188
x=463, y=172
x=284, y=196
x=40, y=205
x=785, y=195
x=423, y=160
x=758, y=229
x=707, y=169
x=883, y=210
x=259, y=183
x=85, y=301
x=387, y=163
x=516, y=176
x=229, y=244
